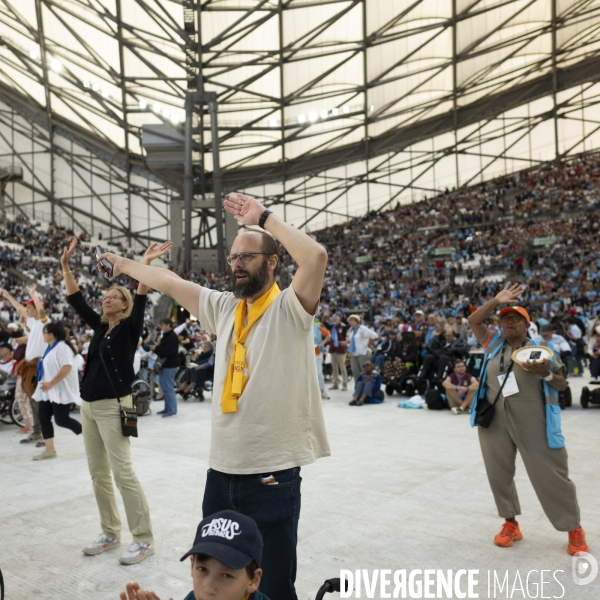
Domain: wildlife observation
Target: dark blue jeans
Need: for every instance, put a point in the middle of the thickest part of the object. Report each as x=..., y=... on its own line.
x=276, y=510
x=167, y=378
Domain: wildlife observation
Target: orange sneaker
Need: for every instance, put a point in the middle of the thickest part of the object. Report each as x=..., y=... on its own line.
x=577, y=541
x=510, y=533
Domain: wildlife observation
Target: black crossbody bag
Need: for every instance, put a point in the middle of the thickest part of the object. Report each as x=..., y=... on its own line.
x=128, y=415
x=485, y=416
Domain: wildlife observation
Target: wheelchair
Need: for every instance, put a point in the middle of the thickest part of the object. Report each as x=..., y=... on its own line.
x=9, y=409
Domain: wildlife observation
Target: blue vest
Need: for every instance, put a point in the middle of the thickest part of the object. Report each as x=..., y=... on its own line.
x=554, y=434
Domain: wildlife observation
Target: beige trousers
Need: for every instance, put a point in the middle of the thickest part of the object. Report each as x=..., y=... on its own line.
x=454, y=400
x=356, y=364
x=107, y=450
x=521, y=425
x=338, y=364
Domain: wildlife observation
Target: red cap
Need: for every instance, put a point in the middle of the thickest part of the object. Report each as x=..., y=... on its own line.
x=519, y=310
x=28, y=303
x=572, y=311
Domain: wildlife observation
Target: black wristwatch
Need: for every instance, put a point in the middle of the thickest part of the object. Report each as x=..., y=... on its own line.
x=263, y=218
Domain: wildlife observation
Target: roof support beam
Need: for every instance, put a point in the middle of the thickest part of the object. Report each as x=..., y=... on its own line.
x=44, y=60
x=554, y=80
x=365, y=98
x=123, y=87
x=488, y=107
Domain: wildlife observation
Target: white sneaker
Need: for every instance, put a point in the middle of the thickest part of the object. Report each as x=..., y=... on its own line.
x=136, y=553
x=324, y=396
x=44, y=455
x=594, y=380
x=101, y=544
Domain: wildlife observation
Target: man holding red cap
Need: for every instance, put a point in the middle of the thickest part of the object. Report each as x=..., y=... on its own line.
x=526, y=418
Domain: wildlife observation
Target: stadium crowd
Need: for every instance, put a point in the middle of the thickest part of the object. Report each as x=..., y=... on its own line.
x=436, y=253
x=409, y=275
x=398, y=292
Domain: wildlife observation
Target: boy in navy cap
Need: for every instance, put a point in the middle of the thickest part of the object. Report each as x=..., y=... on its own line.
x=225, y=560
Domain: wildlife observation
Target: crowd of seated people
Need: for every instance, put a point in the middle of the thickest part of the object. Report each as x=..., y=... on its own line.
x=422, y=268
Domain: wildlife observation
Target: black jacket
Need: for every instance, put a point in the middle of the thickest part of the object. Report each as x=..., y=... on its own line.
x=168, y=348
x=117, y=349
x=408, y=353
x=385, y=346
x=456, y=349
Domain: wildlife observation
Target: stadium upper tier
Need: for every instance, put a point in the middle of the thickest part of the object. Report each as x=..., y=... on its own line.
x=540, y=227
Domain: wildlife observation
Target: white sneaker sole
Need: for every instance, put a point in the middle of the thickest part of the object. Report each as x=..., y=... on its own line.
x=136, y=559
x=95, y=551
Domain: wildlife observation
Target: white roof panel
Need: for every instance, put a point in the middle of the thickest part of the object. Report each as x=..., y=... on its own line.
x=283, y=79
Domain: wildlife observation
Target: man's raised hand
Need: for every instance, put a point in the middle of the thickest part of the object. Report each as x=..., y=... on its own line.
x=154, y=251
x=245, y=209
x=114, y=260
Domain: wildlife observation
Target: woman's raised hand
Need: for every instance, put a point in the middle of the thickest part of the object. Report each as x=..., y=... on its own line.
x=67, y=253
x=154, y=251
x=510, y=293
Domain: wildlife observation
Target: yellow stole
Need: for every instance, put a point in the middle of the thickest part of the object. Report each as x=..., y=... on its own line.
x=237, y=374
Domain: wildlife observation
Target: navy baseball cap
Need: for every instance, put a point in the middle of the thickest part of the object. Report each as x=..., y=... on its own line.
x=230, y=538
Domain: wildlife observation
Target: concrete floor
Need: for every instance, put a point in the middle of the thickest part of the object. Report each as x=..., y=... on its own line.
x=404, y=489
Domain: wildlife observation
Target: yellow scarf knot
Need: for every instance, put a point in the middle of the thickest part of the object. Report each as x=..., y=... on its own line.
x=237, y=374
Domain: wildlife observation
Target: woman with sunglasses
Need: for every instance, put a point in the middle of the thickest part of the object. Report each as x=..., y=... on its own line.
x=109, y=372
x=58, y=387
x=525, y=397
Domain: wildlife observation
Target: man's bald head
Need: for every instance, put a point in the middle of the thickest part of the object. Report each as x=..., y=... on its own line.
x=260, y=241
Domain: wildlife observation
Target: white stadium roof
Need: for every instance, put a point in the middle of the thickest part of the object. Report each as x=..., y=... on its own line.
x=325, y=107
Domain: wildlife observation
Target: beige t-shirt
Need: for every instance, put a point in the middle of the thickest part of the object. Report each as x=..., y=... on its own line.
x=279, y=421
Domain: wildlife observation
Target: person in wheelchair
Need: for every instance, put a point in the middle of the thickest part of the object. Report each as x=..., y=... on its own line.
x=561, y=346
x=201, y=370
x=443, y=351
x=384, y=347
x=7, y=362
x=593, y=350
x=403, y=363
x=205, y=369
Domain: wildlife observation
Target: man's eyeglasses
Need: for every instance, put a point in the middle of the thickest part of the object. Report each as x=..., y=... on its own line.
x=245, y=257
x=511, y=319
x=106, y=298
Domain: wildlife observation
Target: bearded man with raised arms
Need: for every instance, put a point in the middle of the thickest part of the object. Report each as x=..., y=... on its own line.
x=267, y=420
